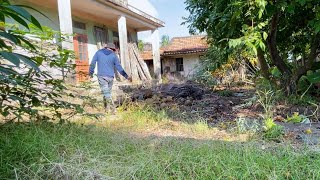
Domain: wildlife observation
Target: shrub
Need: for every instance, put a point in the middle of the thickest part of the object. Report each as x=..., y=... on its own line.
x=272, y=131
x=26, y=90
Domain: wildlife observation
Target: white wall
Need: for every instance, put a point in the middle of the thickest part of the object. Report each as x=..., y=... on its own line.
x=191, y=62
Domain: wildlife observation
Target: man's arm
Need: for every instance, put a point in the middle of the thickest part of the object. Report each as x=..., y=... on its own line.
x=93, y=64
x=119, y=68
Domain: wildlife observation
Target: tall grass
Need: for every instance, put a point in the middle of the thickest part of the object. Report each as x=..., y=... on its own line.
x=51, y=151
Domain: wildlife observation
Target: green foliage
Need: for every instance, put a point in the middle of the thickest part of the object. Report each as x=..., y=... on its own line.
x=314, y=77
x=295, y=118
x=268, y=29
x=272, y=131
x=165, y=40
x=27, y=90
x=140, y=45
x=208, y=64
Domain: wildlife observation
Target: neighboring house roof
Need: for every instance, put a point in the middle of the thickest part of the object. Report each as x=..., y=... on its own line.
x=180, y=45
x=146, y=55
x=186, y=45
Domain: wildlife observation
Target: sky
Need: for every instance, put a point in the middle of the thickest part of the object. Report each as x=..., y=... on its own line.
x=169, y=11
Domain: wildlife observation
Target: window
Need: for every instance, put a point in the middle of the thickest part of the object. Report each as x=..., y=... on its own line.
x=179, y=64
x=82, y=48
x=101, y=36
x=79, y=25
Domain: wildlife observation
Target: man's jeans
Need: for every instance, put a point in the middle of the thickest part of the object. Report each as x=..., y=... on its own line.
x=106, y=88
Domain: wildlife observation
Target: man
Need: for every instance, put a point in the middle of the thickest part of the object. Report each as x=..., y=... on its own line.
x=107, y=62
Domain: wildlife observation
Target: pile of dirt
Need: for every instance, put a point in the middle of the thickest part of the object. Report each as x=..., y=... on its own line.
x=193, y=101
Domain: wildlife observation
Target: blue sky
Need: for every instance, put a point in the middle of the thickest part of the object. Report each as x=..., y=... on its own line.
x=169, y=11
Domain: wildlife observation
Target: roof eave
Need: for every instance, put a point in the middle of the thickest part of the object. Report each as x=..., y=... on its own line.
x=168, y=53
x=136, y=13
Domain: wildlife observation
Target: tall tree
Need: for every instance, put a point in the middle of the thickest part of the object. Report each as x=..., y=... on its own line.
x=165, y=40
x=278, y=31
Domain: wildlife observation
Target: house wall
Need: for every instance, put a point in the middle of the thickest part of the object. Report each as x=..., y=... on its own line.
x=190, y=64
x=52, y=21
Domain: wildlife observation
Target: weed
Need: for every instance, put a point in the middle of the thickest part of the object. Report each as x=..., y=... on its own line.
x=225, y=93
x=266, y=99
x=248, y=125
x=295, y=118
x=272, y=131
x=200, y=126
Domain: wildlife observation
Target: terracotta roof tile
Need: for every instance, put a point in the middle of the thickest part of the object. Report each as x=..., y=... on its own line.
x=186, y=45
x=146, y=55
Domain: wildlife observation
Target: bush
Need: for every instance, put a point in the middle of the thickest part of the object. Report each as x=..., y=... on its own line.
x=26, y=90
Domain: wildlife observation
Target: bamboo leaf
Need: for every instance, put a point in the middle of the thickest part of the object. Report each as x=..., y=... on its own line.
x=22, y=12
x=10, y=57
x=18, y=19
x=27, y=42
x=7, y=71
x=27, y=60
x=9, y=37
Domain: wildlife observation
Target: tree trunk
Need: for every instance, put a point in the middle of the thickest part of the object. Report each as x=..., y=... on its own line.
x=288, y=83
x=264, y=67
x=272, y=46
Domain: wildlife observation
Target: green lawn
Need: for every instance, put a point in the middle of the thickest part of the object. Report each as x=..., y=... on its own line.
x=47, y=151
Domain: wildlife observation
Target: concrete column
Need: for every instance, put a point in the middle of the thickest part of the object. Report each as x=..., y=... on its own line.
x=123, y=41
x=156, y=54
x=65, y=20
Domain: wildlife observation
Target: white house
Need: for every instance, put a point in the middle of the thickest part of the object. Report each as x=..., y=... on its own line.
x=96, y=22
x=181, y=57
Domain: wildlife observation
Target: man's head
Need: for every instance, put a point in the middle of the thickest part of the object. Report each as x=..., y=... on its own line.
x=111, y=46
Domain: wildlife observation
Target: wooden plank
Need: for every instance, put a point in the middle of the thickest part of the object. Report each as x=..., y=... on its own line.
x=133, y=65
x=141, y=62
x=140, y=70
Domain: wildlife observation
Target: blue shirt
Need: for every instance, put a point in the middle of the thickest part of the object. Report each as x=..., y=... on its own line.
x=107, y=61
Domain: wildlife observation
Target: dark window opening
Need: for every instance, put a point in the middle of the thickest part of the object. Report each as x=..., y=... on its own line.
x=179, y=64
x=115, y=34
x=79, y=25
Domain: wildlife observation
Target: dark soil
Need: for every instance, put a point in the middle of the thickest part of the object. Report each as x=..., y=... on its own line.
x=190, y=102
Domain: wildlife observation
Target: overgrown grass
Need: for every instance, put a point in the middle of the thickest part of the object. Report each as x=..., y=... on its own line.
x=52, y=151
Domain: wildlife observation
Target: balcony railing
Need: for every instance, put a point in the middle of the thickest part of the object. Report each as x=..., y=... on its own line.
x=141, y=13
x=123, y=3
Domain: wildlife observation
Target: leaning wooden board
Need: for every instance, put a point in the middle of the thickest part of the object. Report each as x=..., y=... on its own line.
x=133, y=64
x=141, y=62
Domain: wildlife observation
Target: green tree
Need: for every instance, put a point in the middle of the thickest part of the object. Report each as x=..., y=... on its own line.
x=282, y=33
x=165, y=40
x=27, y=92
x=140, y=45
